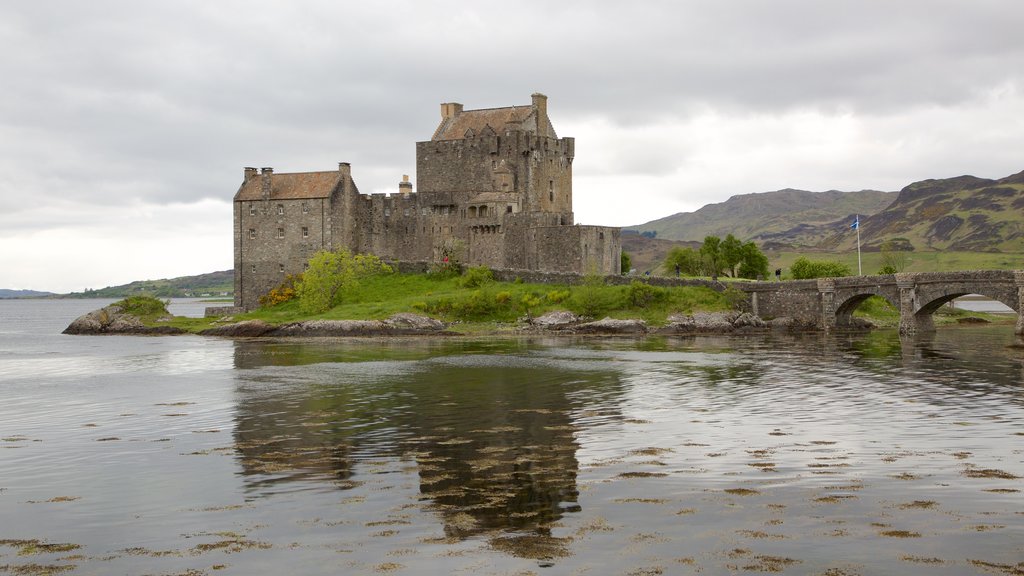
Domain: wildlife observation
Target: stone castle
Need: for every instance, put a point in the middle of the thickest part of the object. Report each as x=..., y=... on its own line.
x=494, y=187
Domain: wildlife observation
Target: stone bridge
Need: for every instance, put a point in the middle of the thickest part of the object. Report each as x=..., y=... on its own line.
x=829, y=302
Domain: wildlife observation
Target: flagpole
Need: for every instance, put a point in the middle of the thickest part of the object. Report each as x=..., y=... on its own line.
x=860, y=271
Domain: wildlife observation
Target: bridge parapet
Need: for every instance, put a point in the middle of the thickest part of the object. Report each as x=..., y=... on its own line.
x=830, y=302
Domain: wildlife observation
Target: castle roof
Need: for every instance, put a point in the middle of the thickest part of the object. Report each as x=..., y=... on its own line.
x=458, y=124
x=294, y=186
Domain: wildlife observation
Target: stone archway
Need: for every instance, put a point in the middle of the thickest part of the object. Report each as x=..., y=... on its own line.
x=845, y=310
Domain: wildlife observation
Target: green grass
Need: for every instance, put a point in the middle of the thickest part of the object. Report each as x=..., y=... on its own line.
x=479, y=307
x=488, y=307
x=916, y=261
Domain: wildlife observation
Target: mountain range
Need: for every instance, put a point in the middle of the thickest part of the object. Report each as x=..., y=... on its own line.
x=965, y=213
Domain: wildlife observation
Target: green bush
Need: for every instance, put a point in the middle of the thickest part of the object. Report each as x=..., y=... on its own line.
x=640, y=294
x=556, y=296
x=591, y=298
x=143, y=306
x=476, y=277
x=805, y=269
x=333, y=275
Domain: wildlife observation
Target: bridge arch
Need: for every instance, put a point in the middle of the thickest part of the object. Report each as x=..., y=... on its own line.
x=846, y=308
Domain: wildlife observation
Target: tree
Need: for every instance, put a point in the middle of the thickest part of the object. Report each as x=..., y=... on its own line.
x=711, y=255
x=805, y=269
x=331, y=274
x=625, y=262
x=753, y=262
x=687, y=259
x=731, y=250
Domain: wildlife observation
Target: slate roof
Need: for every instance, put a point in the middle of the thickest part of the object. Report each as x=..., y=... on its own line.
x=456, y=127
x=294, y=186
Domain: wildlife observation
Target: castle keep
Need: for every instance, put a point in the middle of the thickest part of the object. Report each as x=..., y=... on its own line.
x=495, y=184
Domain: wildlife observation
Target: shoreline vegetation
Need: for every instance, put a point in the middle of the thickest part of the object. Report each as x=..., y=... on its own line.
x=474, y=304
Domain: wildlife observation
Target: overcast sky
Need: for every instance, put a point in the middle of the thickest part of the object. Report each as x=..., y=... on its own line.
x=125, y=125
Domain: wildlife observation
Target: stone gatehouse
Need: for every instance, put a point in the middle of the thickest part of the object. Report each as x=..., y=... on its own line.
x=494, y=185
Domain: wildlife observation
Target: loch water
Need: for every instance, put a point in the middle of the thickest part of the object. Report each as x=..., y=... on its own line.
x=800, y=454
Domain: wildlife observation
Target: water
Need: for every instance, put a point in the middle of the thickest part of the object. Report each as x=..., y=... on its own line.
x=803, y=455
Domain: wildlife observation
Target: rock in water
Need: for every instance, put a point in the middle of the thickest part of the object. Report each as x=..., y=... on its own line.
x=113, y=320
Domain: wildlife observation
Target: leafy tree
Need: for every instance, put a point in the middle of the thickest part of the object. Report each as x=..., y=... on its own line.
x=625, y=262
x=331, y=274
x=731, y=250
x=753, y=262
x=804, y=269
x=687, y=259
x=711, y=255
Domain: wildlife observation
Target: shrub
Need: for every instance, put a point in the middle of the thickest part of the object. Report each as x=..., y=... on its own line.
x=476, y=277
x=805, y=269
x=143, y=306
x=331, y=275
x=736, y=298
x=591, y=298
x=503, y=297
x=640, y=294
x=556, y=296
x=282, y=293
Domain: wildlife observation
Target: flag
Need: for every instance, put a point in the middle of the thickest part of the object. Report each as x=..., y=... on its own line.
x=856, y=223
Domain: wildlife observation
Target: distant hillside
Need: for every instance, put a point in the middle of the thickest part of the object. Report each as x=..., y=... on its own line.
x=955, y=214
x=750, y=215
x=647, y=254
x=5, y=294
x=211, y=284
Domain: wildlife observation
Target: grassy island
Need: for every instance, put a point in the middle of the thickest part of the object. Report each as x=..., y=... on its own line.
x=475, y=303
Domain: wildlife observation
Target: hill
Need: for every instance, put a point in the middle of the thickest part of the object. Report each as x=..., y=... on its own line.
x=964, y=214
x=210, y=284
x=6, y=293
x=751, y=215
x=961, y=214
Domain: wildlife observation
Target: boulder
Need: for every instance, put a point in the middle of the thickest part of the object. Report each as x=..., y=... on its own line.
x=555, y=320
x=245, y=329
x=405, y=321
x=113, y=320
x=612, y=326
x=331, y=328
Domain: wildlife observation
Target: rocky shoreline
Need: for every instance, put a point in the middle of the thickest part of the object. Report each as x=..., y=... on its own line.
x=113, y=320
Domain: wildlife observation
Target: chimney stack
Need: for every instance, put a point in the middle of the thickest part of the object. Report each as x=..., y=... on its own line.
x=345, y=168
x=540, y=102
x=250, y=172
x=450, y=110
x=267, y=185
x=405, y=187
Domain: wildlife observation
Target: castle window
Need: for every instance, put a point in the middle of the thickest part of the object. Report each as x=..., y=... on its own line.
x=280, y=267
x=253, y=268
x=494, y=164
x=601, y=235
x=305, y=232
x=472, y=211
x=406, y=211
x=508, y=209
x=252, y=209
x=305, y=208
x=387, y=212
x=280, y=209
x=305, y=266
x=280, y=232
x=252, y=233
